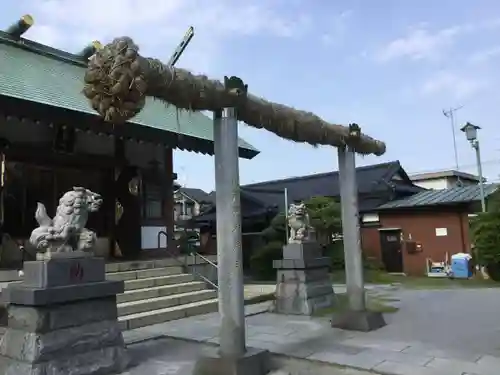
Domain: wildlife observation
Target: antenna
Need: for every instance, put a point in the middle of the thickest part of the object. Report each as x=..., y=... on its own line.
x=450, y=113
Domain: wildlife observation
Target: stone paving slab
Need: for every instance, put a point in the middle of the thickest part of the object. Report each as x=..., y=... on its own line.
x=314, y=340
x=163, y=357
x=252, y=290
x=445, y=364
x=177, y=357
x=429, y=350
x=315, y=348
x=396, y=368
x=361, y=360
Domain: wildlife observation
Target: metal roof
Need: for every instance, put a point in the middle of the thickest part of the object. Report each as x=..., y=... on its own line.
x=442, y=174
x=369, y=178
x=41, y=74
x=197, y=195
x=456, y=195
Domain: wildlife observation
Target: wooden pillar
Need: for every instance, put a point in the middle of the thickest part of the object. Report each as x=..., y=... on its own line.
x=119, y=156
x=168, y=201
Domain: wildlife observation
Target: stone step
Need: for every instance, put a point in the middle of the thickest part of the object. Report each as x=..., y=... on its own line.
x=160, y=291
x=133, y=321
x=132, y=266
x=143, y=274
x=158, y=303
x=151, y=282
x=157, y=263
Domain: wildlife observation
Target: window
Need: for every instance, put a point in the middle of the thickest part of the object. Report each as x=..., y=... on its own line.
x=152, y=202
x=370, y=218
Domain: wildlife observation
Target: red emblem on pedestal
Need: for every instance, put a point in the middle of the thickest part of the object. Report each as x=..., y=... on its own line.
x=76, y=272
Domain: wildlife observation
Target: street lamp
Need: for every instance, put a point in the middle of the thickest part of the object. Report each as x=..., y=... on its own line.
x=470, y=131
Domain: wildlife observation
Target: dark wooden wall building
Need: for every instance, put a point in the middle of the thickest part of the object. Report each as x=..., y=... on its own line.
x=52, y=140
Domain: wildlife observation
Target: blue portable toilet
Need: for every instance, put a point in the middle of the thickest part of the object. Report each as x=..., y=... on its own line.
x=460, y=266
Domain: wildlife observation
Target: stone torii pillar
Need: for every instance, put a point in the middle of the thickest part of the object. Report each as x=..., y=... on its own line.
x=357, y=317
x=233, y=357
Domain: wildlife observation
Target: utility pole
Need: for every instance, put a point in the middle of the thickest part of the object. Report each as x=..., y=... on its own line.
x=286, y=215
x=183, y=183
x=450, y=113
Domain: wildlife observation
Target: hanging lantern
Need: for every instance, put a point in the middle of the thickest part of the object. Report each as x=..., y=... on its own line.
x=118, y=212
x=134, y=186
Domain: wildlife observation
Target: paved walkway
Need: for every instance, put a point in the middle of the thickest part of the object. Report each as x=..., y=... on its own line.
x=430, y=335
x=264, y=289
x=163, y=357
x=439, y=332
x=177, y=357
x=315, y=340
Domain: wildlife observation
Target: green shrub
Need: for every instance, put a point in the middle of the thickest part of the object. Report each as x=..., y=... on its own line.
x=186, y=242
x=261, y=261
x=335, y=251
x=372, y=263
x=486, y=237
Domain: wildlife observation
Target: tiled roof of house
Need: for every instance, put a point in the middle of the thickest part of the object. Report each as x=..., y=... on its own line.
x=253, y=212
x=369, y=179
x=263, y=197
x=197, y=195
x=40, y=74
x=456, y=195
x=443, y=174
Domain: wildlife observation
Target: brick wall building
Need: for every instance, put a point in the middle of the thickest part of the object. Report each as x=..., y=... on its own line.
x=437, y=220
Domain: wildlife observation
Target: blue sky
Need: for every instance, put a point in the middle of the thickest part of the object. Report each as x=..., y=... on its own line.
x=391, y=66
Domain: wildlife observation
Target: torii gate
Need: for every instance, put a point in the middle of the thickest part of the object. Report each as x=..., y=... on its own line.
x=117, y=82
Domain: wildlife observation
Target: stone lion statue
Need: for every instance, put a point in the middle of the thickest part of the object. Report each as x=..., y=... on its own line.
x=298, y=221
x=66, y=232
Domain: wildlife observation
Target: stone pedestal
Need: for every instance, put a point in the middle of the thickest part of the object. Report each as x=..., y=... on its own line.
x=253, y=362
x=364, y=321
x=303, y=281
x=62, y=320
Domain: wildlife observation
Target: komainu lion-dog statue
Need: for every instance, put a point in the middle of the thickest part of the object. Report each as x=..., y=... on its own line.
x=298, y=221
x=66, y=231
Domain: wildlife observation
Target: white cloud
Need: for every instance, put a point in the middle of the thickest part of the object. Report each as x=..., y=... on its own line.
x=158, y=25
x=453, y=84
x=419, y=44
x=46, y=35
x=485, y=55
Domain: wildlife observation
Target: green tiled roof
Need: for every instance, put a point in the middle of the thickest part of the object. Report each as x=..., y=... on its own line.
x=456, y=195
x=37, y=73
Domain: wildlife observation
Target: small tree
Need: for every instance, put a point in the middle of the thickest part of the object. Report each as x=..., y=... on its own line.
x=187, y=240
x=485, y=230
x=261, y=261
x=276, y=230
x=325, y=217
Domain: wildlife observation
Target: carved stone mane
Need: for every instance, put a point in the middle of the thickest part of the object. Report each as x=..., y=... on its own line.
x=66, y=231
x=298, y=221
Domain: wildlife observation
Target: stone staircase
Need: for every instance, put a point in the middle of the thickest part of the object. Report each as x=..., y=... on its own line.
x=158, y=291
